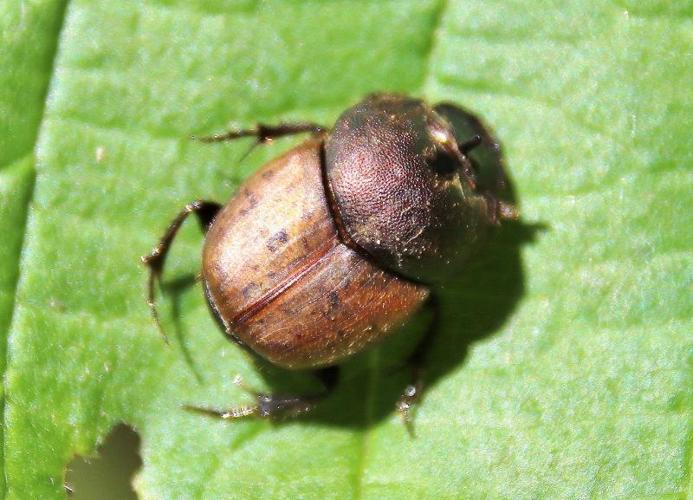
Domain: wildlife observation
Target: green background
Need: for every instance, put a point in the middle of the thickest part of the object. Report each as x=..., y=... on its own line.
x=564, y=365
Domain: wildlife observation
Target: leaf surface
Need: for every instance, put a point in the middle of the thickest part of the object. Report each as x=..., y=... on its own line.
x=563, y=368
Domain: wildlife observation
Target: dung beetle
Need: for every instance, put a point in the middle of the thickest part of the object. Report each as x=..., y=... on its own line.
x=328, y=248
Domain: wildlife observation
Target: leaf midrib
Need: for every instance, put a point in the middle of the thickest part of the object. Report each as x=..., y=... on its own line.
x=373, y=365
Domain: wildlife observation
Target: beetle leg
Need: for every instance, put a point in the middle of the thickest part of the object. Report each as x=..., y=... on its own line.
x=417, y=360
x=205, y=211
x=266, y=133
x=275, y=405
x=499, y=210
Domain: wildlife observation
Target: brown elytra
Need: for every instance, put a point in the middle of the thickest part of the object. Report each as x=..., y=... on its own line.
x=306, y=299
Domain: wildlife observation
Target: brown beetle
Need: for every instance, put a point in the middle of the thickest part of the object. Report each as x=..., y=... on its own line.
x=328, y=248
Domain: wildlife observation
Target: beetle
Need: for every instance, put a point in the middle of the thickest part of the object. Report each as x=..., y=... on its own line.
x=328, y=248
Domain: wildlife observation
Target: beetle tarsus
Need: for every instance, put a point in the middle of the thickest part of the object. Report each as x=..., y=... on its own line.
x=232, y=414
x=205, y=211
x=274, y=406
x=270, y=406
x=265, y=133
x=154, y=263
x=406, y=402
x=412, y=393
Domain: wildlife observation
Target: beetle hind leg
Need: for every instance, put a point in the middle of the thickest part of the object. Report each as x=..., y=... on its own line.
x=416, y=362
x=154, y=260
x=266, y=406
x=275, y=405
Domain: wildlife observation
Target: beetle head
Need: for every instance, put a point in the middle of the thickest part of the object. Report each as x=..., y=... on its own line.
x=404, y=186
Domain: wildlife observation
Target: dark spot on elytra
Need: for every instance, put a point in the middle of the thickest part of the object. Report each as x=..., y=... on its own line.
x=248, y=290
x=276, y=240
x=334, y=299
x=268, y=174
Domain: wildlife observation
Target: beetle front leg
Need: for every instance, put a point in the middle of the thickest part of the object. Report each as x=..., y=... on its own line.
x=205, y=211
x=266, y=133
x=417, y=362
x=275, y=406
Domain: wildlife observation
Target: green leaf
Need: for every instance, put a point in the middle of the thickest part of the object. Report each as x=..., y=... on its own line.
x=564, y=365
x=28, y=37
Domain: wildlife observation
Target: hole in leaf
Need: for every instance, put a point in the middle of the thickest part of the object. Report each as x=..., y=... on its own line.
x=108, y=475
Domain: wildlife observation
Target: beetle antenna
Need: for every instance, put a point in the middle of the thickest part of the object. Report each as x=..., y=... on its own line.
x=205, y=211
x=470, y=144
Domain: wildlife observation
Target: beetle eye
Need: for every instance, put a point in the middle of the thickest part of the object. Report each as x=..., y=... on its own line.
x=444, y=163
x=447, y=161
